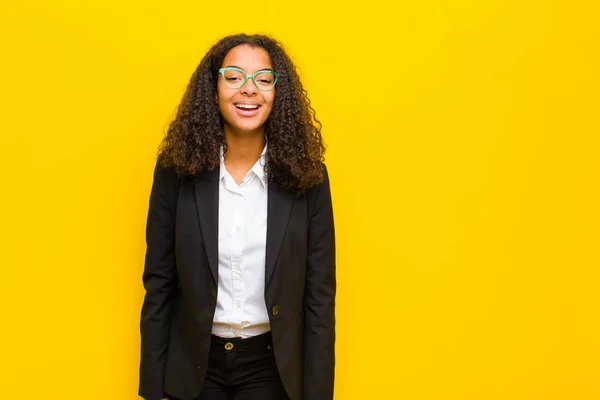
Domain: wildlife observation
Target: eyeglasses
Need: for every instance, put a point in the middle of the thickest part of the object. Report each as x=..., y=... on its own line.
x=236, y=78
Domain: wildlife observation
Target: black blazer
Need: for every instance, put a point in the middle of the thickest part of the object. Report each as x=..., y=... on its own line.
x=181, y=274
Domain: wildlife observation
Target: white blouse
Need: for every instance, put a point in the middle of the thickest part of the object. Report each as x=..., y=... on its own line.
x=241, y=309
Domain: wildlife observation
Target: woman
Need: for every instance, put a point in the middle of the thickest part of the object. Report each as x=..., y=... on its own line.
x=240, y=263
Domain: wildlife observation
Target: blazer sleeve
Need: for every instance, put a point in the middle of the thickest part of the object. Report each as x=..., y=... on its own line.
x=160, y=283
x=319, y=298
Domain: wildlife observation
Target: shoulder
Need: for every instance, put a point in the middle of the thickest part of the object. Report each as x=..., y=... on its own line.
x=163, y=172
x=324, y=181
x=320, y=189
x=166, y=178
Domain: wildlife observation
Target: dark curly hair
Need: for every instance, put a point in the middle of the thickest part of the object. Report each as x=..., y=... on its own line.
x=194, y=138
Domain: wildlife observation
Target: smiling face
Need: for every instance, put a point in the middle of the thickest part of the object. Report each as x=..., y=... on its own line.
x=246, y=109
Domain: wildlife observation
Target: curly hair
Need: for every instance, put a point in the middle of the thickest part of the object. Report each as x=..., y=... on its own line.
x=195, y=137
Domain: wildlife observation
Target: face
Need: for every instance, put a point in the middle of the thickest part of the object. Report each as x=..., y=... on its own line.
x=246, y=109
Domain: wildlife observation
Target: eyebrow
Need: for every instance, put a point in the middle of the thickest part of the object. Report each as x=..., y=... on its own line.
x=235, y=66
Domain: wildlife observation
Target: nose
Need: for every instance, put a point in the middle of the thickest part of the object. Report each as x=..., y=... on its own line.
x=249, y=88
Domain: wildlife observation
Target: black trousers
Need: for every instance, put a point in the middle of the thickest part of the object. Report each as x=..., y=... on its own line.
x=242, y=369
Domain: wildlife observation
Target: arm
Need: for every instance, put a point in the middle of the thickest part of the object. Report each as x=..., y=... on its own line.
x=319, y=298
x=160, y=282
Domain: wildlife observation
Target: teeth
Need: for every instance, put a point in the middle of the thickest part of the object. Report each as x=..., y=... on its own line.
x=247, y=106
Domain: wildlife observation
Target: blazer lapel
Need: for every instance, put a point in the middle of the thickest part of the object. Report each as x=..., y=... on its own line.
x=206, y=191
x=278, y=213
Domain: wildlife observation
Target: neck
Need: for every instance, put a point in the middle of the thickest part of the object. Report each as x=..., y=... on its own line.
x=244, y=149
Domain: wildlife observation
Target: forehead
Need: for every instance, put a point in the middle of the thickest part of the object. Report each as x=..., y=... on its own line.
x=248, y=58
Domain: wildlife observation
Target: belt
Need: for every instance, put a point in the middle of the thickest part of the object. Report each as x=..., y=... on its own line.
x=259, y=342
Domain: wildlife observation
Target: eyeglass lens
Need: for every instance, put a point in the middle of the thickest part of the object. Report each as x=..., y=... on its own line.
x=235, y=79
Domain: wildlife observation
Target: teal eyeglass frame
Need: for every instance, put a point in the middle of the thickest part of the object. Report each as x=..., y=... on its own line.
x=248, y=76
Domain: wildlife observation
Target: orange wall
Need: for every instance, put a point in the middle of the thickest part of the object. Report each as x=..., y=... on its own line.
x=464, y=158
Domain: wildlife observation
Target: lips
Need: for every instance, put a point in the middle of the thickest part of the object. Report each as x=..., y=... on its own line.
x=247, y=109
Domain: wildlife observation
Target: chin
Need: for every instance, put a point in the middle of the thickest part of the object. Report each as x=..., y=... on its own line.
x=245, y=129
x=247, y=126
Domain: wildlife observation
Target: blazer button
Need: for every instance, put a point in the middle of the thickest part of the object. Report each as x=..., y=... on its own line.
x=275, y=310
